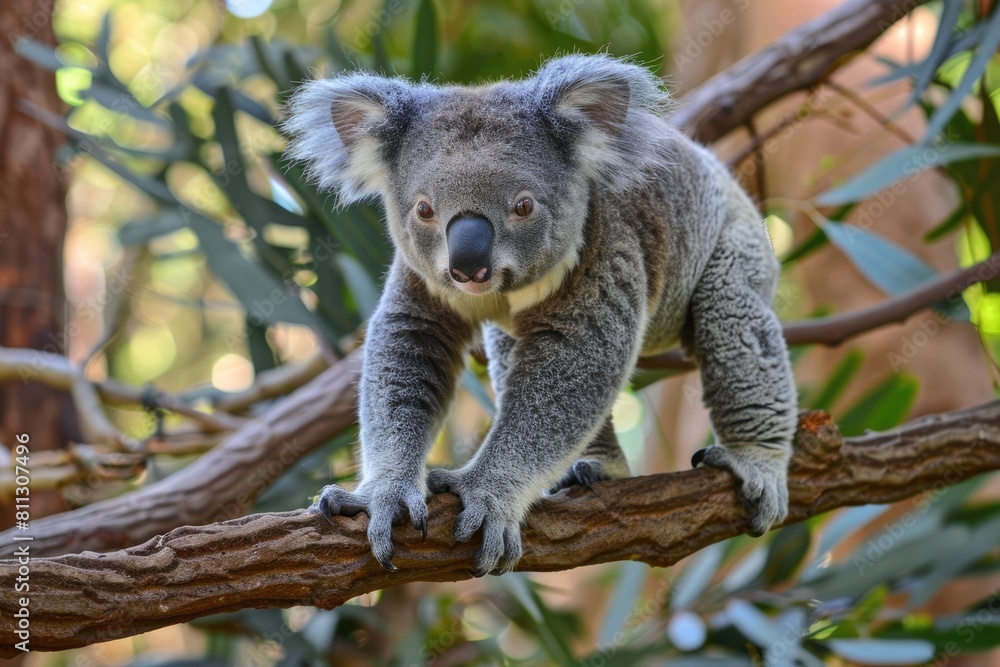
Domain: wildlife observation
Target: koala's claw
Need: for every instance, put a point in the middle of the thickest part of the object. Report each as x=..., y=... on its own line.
x=501, y=549
x=384, y=505
x=583, y=472
x=763, y=484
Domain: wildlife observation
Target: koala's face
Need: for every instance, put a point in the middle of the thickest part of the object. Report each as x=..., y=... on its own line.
x=486, y=189
x=479, y=198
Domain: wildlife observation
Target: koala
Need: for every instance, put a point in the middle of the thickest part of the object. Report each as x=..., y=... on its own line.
x=563, y=224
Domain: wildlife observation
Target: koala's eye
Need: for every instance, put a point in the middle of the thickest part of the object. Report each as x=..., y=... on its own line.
x=424, y=210
x=524, y=207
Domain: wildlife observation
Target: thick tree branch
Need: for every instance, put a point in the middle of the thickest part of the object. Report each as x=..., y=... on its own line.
x=281, y=560
x=224, y=482
x=799, y=60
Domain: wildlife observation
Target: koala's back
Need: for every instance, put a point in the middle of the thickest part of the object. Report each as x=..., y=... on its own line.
x=690, y=203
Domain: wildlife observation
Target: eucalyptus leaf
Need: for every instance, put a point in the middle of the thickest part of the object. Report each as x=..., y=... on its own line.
x=624, y=597
x=886, y=265
x=425, y=40
x=902, y=164
x=985, y=50
x=43, y=55
x=142, y=231
x=883, y=651
x=950, y=11
x=752, y=623
x=263, y=297
x=697, y=575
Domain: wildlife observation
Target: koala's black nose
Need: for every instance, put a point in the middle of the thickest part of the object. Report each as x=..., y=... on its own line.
x=470, y=248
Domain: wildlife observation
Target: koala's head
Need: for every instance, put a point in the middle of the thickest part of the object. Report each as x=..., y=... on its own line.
x=486, y=189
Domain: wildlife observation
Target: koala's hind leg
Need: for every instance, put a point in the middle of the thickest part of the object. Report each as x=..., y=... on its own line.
x=603, y=459
x=748, y=383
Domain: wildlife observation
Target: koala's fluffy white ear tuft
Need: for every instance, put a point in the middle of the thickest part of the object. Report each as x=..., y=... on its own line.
x=340, y=128
x=602, y=105
x=603, y=102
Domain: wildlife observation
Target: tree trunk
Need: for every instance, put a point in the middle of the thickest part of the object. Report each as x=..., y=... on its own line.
x=32, y=227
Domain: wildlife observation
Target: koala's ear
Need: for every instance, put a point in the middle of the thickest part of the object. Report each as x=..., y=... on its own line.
x=345, y=129
x=602, y=107
x=600, y=98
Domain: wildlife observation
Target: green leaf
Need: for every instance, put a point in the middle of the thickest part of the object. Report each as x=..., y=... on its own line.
x=264, y=53
x=886, y=265
x=263, y=297
x=984, y=539
x=752, y=623
x=517, y=584
x=381, y=57
x=843, y=524
x=883, y=651
x=643, y=378
x=815, y=241
x=950, y=11
x=839, y=381
x=627, y=590
x=142, y=231
x=121, y=101
x=261, y=353
x=884, y=407
x=41, y=54
x=788, y=549
x=984, y=53
x=363, y=288
x=335, y=49
x=425, y=41
x=904, y=163
x=155, y=188
x=697, y=575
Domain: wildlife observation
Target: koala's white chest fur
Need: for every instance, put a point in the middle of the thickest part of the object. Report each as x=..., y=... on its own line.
x=500, y=308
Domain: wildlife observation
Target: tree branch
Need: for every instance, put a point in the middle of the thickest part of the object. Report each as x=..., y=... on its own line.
x=224, y=483
x=293, y=558
x=799, y=60
x=220, y=485
x=835, y=329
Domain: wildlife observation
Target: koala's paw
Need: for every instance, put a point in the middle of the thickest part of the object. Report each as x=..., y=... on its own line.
x=385, y=503
x=763, y=483
x=496, y=512
x=584, y=472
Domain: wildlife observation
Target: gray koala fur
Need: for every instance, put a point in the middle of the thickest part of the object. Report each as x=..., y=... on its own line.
x=639, y=240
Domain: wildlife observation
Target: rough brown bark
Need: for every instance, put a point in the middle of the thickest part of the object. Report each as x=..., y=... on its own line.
x=32, y=227
x=799, y=60
x=293, y=558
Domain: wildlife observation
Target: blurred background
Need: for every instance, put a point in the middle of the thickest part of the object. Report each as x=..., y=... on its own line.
x=195, y=261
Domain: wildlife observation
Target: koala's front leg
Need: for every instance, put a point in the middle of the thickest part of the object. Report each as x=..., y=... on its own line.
x=746, y=374
x=413, y=355
x=559, y=388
